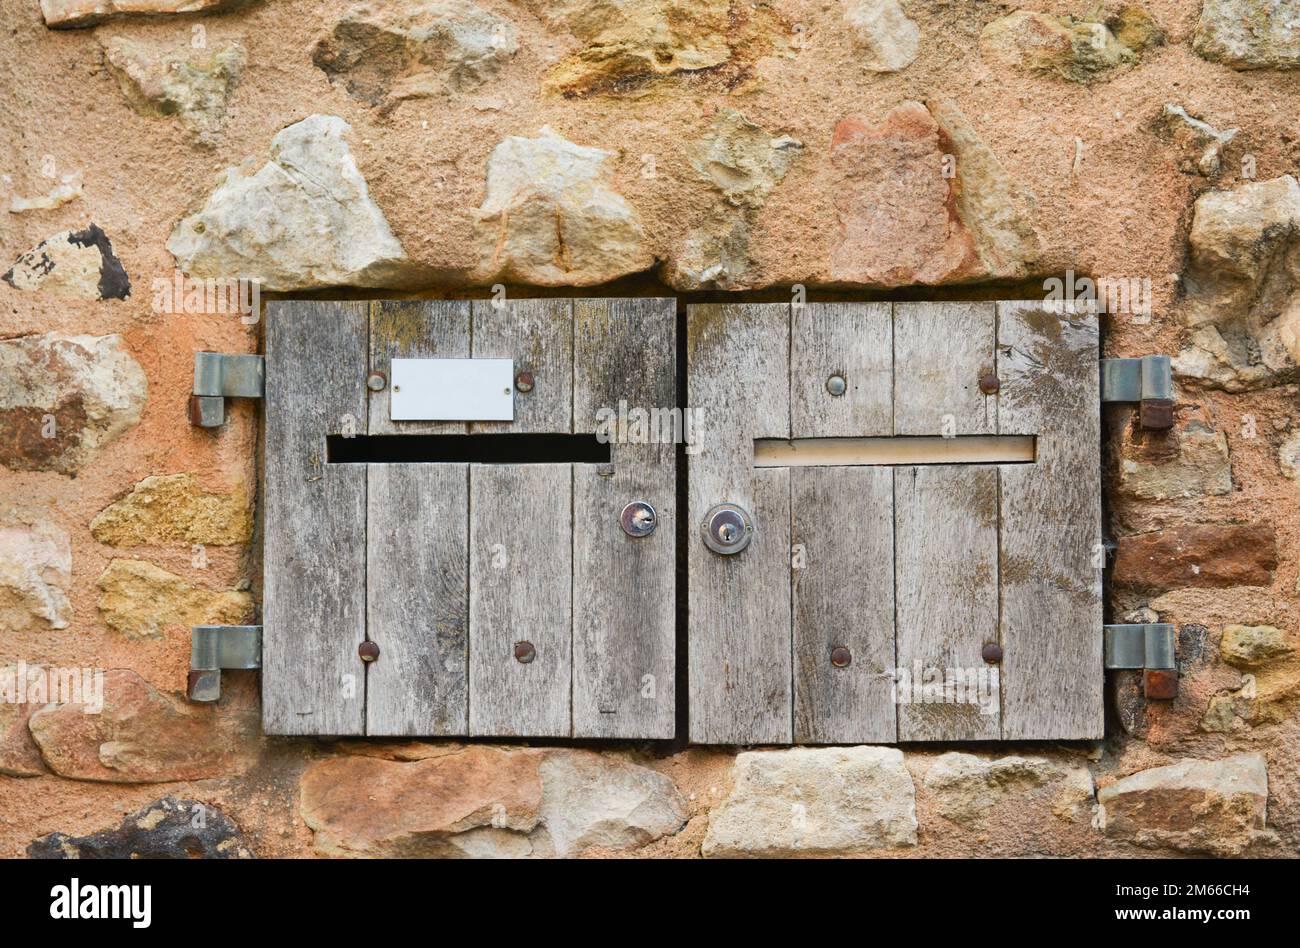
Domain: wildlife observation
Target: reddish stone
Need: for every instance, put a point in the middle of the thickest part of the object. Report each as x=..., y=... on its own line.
x=1205, y=555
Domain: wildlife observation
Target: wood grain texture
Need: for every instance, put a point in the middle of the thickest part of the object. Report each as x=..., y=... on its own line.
x=739, y=636
x=520, y=590
x=314, y=571
x=946, y=589
x=1051, y=525
x=854, y=341
x=538, y=335
x=940, y=352
x=414, y=329
x=624, y=588
x=843, y=542
x=417, y=598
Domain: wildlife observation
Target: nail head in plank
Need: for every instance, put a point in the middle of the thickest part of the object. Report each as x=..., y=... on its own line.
x=855, y=342
x=940, y=352
x=538, y=335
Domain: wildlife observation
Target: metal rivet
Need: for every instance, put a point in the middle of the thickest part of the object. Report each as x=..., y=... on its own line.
x=991, y=653
x=841, y=657
x=524, y=652
x=376, y=381
x=727, y=529
x=989, y=383
x=524, y=381
x=836, y=385
x=638, y=519
x=369, y=651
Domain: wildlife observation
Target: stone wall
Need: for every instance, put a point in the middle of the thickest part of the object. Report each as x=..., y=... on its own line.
x=633, y=146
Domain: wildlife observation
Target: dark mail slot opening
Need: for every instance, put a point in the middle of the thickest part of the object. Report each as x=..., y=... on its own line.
x=467, y=449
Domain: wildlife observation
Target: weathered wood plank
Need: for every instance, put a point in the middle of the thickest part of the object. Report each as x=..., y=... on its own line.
x=414, y=329
x=538, y=335
x=739, y=639
x=417, y=598
x=314, y=569
x=842, y=537
x=946, y=589
x=843, y=559
x=624, y=588
x=520, y=590
x=1051, y=525
x=855, y=342
x=940, y=352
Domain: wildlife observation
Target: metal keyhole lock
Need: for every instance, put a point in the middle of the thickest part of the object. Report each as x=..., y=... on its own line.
x=638, y=519
x=727, y=529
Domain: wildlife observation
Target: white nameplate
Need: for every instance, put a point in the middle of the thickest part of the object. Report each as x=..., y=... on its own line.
x=452, y=390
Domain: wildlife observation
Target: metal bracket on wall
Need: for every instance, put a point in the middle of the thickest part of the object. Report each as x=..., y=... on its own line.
x=214, y=647
x=218, y=376
x=1148, y=647
x=1148, y=381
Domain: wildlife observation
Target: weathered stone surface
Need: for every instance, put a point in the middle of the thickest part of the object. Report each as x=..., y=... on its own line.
x=1200, y=806
x=627, y=44
x=482, y=801
x=1202, y=144
x=969, y=787
x=1241, y=283
x=1288, y=456
x=1205, y=555
x=143, y=736
x=384, y=54
x=305, y=219
x=551, y=216
x=18, y=754
x=168, y=828
x=76, y=264
x=921, y=199
x=1250, y=646
x=158, y=81
x=175, y=507
x=814, y=801
x=140, y=600
x=68, y=189
x=35, y=570
x=1249, y=34
x=63, y=14
x=1200, y=466
x=1081, y=50
x=62, y=398
x=743, y=163
x=889, y=41
x=593, y=800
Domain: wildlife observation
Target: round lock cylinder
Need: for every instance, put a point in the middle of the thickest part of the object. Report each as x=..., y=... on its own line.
x=727, y=529
x=638, y=519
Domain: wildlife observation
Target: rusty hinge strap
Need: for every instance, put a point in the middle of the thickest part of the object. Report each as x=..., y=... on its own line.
x=214, y=647
x=218, y=376
x=1148, y=381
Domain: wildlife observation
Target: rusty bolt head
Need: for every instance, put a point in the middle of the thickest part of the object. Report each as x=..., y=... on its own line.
x=841, y=657
x=369, y=651
x=524, y=381
x=989, y=384
x=524, y=652
x=376, y=381
x=991, y=653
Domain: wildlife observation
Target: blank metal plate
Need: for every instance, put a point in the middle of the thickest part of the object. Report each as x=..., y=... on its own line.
x=453, y=390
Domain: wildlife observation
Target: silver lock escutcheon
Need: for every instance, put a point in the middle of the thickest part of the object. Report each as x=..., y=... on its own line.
x=638, y=519
x=727, y=529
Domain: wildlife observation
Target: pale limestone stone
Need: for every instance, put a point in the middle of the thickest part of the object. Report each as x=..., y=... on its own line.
x=68, y=189
x=1202, y=141
x=889, y=41
x=814, y=801
x=171, y=508
x=76, y=264
x=157, y=80
x=386, y=53
x=1250, y=646
x=35, y=571
x=968, y=786
x=1081, y=50
x=63, y=398
x=551, y=216
x=1288, y=456
x=1249, y=34
x=1200, y=468
x=304, y=220
x=1201, y=806
x=140, y=600
x=62, y=14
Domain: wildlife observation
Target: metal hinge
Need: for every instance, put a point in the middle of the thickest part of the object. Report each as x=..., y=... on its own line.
x=214, y=647
x=218, y=376
x=1148, y=380
x=1148, y=647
